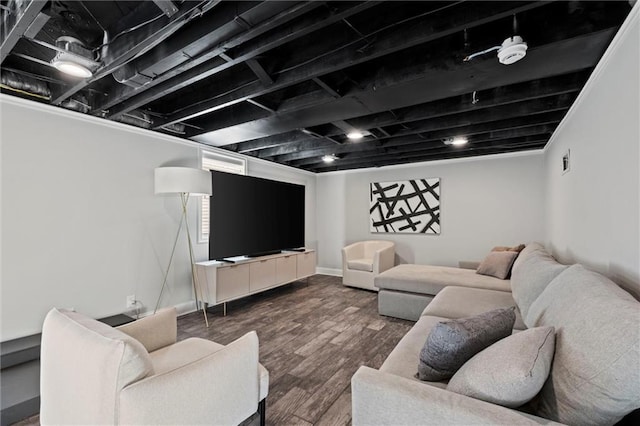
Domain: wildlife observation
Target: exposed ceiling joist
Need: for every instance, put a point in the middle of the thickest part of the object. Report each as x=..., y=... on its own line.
x=425, y=30
x=287, y=81
x=494, y=97
x=16, y=21
x=197, y=69
x=121, y=50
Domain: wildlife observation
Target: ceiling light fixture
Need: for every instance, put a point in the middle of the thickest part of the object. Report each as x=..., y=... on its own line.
x=73, y=58
x=457, y=141
x=355, y=135
x=330, y=158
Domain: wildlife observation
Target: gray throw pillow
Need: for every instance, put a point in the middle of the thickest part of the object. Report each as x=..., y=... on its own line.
x=498, y=264
x=452, y=343
x=511, y=371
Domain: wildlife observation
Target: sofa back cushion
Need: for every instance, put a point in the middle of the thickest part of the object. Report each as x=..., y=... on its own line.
x=532, y=271
x=84, y=364
x=595, y=375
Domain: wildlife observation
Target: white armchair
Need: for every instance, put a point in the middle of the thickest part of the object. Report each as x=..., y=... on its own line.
x=364, y=260
x=92, y=373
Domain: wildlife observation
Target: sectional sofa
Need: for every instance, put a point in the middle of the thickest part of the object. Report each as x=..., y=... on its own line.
x=593, y=378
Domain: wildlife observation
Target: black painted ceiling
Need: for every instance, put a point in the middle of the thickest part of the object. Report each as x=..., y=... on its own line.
x=285, y=81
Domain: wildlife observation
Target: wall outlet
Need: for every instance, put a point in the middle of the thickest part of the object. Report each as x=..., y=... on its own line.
x=131, y=301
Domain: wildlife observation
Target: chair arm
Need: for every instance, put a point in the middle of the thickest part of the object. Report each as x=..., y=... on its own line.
x=155, y=331
x=221, y=388
x=384, y=259
x=380, y=398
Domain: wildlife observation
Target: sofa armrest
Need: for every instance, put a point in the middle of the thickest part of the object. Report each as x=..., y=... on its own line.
x=155, y=331
x=222, y=388
x=380, y=398
x=384, y=259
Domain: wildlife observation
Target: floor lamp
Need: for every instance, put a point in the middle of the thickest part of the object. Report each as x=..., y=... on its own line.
x=183, y=181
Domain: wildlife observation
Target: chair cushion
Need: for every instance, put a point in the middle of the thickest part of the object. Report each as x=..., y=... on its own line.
x=181, y=353
x=595, y=376
x=361, y=264
x=511, y=371
x=451, y=343
x=497, y=264
x=190, y=350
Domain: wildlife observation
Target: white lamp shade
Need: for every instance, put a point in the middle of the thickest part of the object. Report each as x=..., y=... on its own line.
x=176, y=180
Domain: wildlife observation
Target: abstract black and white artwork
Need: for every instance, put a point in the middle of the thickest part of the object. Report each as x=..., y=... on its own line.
x=409, y=206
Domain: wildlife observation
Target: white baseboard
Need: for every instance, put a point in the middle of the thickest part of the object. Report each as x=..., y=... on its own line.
x=329, y=271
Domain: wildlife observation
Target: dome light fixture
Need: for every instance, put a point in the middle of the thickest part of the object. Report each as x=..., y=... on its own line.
x=512, y=50
x=329, y=158
x=71, y=68
x=355, y=135
x=73, y=58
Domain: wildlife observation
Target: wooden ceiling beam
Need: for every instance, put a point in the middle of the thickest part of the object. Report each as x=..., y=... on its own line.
x=502, y=95
x=429, y=28
x=442, y=155
x=503, y=128
x=523, y=112
x=17, y=24
x=198, y=67
x=485, y=147
x=122, y=50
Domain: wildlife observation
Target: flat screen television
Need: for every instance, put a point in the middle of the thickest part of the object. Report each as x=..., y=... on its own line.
x=254, y=216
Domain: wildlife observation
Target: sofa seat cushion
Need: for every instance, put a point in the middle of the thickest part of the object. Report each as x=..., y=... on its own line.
x=361, y=264
x=459, y=302
x=595, y=375
x=404, y=359
x=428, y=279
x=191, y=350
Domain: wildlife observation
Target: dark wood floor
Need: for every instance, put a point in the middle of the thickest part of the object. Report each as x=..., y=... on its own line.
x=314, y=335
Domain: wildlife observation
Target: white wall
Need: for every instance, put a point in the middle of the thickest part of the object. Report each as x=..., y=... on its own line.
x=593, y=213
x=80, y=224
x=485, y=202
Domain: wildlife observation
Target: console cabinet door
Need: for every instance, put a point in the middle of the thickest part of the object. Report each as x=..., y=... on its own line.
x=286, y=268
x=233, y=281
x=263, y=274
x=306, y=264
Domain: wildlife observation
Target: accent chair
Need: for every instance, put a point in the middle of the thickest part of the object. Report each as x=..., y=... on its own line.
x=364, y=260
x=92, y=373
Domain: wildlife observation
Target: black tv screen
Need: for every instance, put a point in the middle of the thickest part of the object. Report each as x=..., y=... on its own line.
x=254, y=216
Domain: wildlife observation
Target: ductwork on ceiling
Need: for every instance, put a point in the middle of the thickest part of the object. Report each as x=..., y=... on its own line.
x=27, y=85
x=40, y=89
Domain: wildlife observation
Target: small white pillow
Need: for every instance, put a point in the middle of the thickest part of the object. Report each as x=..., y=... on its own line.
x=511, y=371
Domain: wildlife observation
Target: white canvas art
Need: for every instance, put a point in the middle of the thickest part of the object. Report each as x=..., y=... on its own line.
x=409, y=206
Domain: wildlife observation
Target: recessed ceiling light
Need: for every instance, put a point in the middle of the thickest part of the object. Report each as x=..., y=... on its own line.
x=355, y=135
x=329, y=158
x=72, y=68
x=458, y=140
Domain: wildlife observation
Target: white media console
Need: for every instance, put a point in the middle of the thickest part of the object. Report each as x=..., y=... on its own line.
x=221, y=282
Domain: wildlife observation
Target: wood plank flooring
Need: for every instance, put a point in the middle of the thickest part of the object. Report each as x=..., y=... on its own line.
x=314, y=334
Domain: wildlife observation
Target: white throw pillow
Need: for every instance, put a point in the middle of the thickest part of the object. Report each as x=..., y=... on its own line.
x=511, y=371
